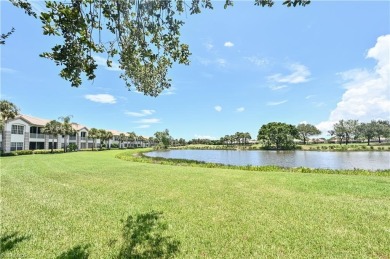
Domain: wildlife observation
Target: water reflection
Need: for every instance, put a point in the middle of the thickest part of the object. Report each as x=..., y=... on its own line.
x=314, y=159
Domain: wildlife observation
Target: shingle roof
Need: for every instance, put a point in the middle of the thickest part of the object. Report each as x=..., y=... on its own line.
x=115, y=132
x=78, y=127
x=33, y=120
x=42, y=122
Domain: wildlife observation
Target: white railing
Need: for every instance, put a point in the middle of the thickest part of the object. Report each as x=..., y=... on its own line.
x=72, y=137
x=37, y=135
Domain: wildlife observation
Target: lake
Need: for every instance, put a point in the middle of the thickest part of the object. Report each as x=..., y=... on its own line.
x=371, y=160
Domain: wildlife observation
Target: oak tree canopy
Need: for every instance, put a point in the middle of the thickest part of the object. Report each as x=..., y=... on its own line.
x=143, y=35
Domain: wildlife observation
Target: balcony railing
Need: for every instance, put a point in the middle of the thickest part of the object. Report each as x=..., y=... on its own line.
x=83, y=138
x=72, y=137
x=37, y=135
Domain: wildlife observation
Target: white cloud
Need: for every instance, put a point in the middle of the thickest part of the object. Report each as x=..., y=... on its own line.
x=148, y=121
x=7, y=70
x=278, y=87
x=169, y=91
x=325, y=126
x=143, y=126
x=140, y=114
x=276, y=103
x=208, y=45
x=103, y=62
x=221, y=62
x=101, y=98
x=367, y=94
x=310, y=96
x=204, y=137
x=299, y=74
x=260, y=62
x=218, y=108
x=148, y=112
x=228, y=44
x=241, y=109
x=318, y=104
x=204, y=61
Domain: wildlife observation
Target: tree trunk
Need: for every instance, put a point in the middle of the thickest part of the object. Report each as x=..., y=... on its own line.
x=52, y=144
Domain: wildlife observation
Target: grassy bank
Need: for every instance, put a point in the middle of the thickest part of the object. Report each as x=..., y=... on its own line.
x=93, y=204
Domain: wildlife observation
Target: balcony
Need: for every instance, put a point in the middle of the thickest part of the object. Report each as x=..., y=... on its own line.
x=72, y=137
x=37, y=135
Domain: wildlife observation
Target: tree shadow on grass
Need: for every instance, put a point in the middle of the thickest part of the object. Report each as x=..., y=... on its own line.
x=143, y=237
x=9, y=241
x=76, y=252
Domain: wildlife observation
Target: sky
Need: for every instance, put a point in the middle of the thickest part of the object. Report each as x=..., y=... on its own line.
x=249, y=66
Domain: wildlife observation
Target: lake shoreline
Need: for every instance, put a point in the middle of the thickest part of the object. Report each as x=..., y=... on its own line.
x=140, y=156
x=313, y=147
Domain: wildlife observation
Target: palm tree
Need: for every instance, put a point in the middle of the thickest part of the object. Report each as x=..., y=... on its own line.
x=122, y=137
x=93, y=133
x=132, y=136
x=237, y=137
x=8, y=111
x=246, y=136
x=108, y=136
x=66, y=129
x=151, y=141
x=102, y=136
x=53, y=128
x=142, y=139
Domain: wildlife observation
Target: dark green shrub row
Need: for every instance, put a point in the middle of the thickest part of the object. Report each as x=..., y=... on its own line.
x=48, y=151
x=140, y=157
x=31, y=152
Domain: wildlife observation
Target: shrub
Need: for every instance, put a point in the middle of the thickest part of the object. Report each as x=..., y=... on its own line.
x=72, y=147
x=9, y=154
x=47, y=151
x=114, y=145
x=23, y=152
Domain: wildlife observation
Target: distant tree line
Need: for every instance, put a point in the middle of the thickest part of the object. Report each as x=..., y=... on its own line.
x=284, y=136
x=277, y=135
x=346, y=131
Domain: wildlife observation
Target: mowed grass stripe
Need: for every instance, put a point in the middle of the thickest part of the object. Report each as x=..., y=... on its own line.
x=58, y=202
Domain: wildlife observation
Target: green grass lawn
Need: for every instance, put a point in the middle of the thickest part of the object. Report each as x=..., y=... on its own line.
x=91, y=204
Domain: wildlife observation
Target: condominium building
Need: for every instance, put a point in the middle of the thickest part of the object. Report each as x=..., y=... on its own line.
x=25, y=132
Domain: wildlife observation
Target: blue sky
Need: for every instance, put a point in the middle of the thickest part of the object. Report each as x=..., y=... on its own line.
x=249, y=66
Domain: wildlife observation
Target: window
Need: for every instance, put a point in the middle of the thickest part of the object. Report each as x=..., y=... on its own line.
x=16, y=146
x=17, y=129
x=83, y=134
